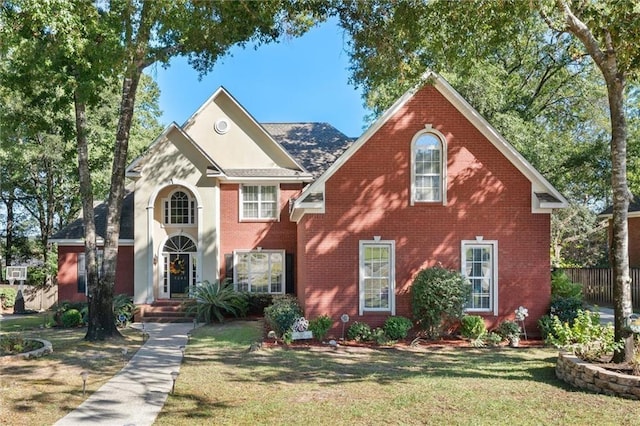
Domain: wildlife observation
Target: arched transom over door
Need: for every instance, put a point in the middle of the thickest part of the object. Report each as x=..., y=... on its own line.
x=179, y=267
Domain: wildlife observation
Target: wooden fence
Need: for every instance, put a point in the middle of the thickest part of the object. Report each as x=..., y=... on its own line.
x=597, y=284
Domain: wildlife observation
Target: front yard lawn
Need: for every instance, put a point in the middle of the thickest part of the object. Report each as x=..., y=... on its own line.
x=222, y=382
x=43, y=390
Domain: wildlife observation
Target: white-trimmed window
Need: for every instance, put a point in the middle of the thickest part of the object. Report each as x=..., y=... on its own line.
x=480, y=267
x=377, y=276
x=428, y=167
x=260, y=271
x=82, y=270
x=259, y=202
x=179, y=209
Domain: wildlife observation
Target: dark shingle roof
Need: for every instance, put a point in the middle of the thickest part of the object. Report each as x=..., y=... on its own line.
x=75, y=230
x=634, y=206
x=266, y=173
x=314, y=145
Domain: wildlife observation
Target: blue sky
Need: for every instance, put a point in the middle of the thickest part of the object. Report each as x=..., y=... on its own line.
x=296, y=80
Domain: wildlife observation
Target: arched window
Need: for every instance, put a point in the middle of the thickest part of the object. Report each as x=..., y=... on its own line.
x=428, y=168
x=179, y=209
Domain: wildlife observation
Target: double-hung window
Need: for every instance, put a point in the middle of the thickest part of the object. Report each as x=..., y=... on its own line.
x=428, y=167
x=479, y=265
x=82, y=270
x=261, y=271
x=377, y=276
x=258, y=202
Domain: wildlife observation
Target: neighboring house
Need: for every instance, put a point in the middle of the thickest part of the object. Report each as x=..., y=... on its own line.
x=633, y=222
x=345, y=225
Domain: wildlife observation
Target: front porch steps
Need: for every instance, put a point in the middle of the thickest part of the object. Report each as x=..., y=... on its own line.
x=163, y=311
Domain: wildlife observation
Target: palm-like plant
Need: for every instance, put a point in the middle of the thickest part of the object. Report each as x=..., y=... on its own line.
x=215, y=299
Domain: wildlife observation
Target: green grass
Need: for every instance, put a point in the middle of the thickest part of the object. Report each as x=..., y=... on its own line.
x=222, y=382
x=43, y=390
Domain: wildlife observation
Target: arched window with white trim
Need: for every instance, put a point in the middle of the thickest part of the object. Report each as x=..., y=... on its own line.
x=428, y=167
x=179, y=209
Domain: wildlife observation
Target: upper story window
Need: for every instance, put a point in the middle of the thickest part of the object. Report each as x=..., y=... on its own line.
x=179, y=209
x=259, y=202
x=428, y=167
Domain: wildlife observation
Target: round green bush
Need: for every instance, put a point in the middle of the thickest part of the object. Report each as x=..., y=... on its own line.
x=71, y=318
x=397, y=327
x=472, y=326
x=320, y=326
x=281, y=315
x=359, y=331
x=438, y=297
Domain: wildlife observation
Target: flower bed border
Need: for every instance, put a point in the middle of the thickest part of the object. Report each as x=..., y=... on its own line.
x=47, y=348
x=584, y=375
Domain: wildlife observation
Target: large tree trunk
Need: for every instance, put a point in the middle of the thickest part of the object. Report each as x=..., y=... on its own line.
x=606, y=60
x=95, y=326
x=133, y=70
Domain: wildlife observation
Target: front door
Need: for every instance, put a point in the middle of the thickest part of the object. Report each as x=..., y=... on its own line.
x=179, y=276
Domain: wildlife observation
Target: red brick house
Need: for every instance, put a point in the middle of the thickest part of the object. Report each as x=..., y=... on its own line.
x=345, y=225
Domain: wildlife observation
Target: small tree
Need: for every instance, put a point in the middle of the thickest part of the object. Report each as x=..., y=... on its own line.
x=438, y=296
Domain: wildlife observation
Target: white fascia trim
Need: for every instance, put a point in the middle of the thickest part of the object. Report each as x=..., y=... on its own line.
x=222, y=91
x=165, y=135
x=538, y=182
x=273, y=181
x=133, y=174
x=629, y=215
x=80, y=242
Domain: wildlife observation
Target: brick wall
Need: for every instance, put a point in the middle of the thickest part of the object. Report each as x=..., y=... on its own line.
x=369, y=196
x=68, y=273
x=249, y=235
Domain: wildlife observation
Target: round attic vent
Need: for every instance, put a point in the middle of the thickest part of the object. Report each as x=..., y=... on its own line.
x=222, y=126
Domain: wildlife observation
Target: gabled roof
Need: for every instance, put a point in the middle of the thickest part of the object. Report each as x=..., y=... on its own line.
x=133, y=170
x=633, y=211
x=314, y=145
x=544, y=195
x=75, y=230
x=221, y=91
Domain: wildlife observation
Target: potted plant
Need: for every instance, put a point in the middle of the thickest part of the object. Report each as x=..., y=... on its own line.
x=510, y=330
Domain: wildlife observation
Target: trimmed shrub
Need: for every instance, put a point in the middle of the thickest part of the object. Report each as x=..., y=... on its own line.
x=256, y=302
x=438, y=296
x=379, y=337
x=71, y=318
x=8, y=297
x=562, y=286
x=472, y=326
x=545, y=324
x=508, y=329
x=565, y=308
x=566, y=297
x=397, y=327
x=359, y=331
x=281, y=315
x=320, y=326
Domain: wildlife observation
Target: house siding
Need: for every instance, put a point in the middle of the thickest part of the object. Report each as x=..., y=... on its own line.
x=369, y=196
x=68, y=273
x=249, y=235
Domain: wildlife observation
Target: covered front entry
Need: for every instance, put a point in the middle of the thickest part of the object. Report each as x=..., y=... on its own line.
x=179, y=267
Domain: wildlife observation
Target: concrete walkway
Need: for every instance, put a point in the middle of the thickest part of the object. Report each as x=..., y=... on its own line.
x=138, y=392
